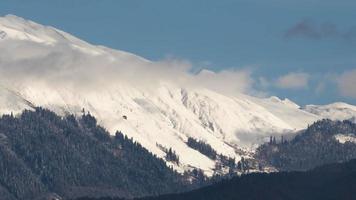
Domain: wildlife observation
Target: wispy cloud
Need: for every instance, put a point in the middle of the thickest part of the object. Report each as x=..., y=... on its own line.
x=311, y=30
x=293, y=80
x=346, y=83
x=226, y=81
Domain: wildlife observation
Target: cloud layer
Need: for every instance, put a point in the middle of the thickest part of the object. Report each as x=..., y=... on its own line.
x=72, y=66
x=62, y=65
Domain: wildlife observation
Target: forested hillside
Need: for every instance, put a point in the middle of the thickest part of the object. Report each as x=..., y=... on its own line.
x=41, y=153
x=321, y=143
x=330, y=182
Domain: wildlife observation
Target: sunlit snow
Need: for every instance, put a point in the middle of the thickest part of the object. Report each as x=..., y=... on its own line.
x=154, y=104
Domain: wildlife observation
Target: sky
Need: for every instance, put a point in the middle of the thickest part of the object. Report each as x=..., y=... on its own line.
x=304, y=50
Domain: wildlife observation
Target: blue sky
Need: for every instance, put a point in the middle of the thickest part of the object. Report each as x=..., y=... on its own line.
x=304, y=50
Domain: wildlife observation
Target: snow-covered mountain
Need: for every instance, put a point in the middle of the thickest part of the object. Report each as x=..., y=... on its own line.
x=334, y=111
x=43, y=66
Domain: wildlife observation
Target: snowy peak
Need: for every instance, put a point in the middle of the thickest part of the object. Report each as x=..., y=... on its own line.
x=17, y=28
x=334, y=111
x=286, y=101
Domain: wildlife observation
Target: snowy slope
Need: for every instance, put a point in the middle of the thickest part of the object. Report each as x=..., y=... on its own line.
x=334, y=111
x=43, y=66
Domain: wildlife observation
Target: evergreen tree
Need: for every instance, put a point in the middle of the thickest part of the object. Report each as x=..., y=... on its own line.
x=41, y=153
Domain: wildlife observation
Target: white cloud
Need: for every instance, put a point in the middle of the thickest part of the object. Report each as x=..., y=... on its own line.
x=293, y=80
x=226, y=81
x=61, y=65
x=27, y=57
x=346, y=83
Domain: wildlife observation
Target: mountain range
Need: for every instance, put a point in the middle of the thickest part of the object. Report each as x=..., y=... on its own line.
x=153, y=102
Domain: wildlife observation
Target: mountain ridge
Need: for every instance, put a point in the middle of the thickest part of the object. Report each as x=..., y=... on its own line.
x=66, y=74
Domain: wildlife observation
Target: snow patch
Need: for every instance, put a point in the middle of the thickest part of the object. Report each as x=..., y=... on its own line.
x=343, y=138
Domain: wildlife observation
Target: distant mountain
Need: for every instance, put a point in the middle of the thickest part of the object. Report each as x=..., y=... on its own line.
x=44, y=155
x=334, y=111
x=41, y=66
x=321, y=143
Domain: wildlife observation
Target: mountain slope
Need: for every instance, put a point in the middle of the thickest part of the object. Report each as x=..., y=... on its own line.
x=154, y=102
x=42, y=153
x=321, y=143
